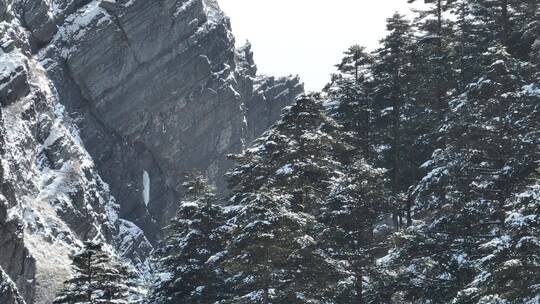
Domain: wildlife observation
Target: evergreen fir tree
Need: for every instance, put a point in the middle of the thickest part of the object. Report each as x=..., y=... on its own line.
x=510, y=269
x=99, y=278
x=351, y=214
x=512, y=23
x=279, y=186
x=399, y=119
x=496, y=17
x=351, y=101
x=271, y=258
x=509, y=266
x=300, y=155
x=433, y=53
x=188, y=258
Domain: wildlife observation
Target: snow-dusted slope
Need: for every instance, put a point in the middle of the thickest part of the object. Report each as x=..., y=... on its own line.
x=51, y=194
x=58, y=195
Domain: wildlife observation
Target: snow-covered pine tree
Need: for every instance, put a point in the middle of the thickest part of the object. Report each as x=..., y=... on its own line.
x=400, y=120
x=188, y=258
x=300, y=155
x=509, y=267
x=492, y=140
x=513, y=23
x=510, y=270
x=258, y=247
x=355, y=207
x=270, y=258
x=350, y=101
x=496, y=15
x=126, y=281
x=467, y=39
x=432, y=53
x=99, y=277
x=278, y=187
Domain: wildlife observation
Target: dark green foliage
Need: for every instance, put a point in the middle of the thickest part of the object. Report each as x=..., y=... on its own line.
x=351, y=98
x=401, y=116
x=457, y=128
x=300, y=155
x=99, y=277
x=271, y=258
x=351, y=215
x=279, y=186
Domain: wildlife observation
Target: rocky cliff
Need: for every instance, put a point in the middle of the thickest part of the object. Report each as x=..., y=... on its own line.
x=105, y=105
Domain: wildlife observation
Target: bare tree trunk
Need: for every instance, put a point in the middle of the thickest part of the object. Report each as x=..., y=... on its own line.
x=439, y=54
x=396, y=152
x=366, y=129
x=266, y=291
x=359, y=286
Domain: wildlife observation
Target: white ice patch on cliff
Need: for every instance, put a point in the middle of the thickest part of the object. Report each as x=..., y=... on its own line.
x=146, y=187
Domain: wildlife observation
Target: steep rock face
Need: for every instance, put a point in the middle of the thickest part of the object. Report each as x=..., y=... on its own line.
x=51, y=196
x=160, y=90
x=265, y=96
x=14, y=256
x=104, y=106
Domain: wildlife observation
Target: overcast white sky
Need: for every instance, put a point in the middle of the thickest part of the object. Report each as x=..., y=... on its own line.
x=307, y=37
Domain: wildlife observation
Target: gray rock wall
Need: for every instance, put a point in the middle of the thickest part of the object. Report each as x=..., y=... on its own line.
x=15, y=258
x=8, y=290
x=160, y=88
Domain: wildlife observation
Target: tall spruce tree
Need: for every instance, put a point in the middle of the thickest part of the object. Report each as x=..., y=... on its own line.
x=398, y=114
x=509, y=266
x=433, y=52
x=271, y=258
x=99, y=277
x=354, y=208
x=300, y=155
x=350, y=98
x=188, y=259
x=278, y=188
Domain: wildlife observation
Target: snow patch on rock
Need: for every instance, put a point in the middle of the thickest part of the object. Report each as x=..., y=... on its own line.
x=146, y=187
